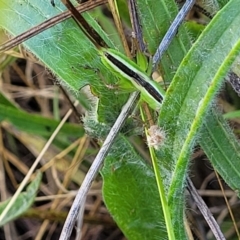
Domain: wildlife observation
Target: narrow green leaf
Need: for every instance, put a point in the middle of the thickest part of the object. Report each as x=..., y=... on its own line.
x=231, y=115
x=222, y=148
x=23, y=202
x=190, y=95
x=5, y=101
x=36, y=124
x=155, y=20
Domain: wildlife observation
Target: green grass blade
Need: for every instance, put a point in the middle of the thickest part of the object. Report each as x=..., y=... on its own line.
x=222, y=148
x=23, y=202
x=36, y=124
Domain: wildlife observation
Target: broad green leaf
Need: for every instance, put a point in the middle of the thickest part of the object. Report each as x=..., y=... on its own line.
x=130, y=193
x=59, y=42
x=23, y=202
x=65, y=50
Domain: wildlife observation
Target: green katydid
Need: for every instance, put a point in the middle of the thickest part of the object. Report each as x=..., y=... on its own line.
x=150, y=91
